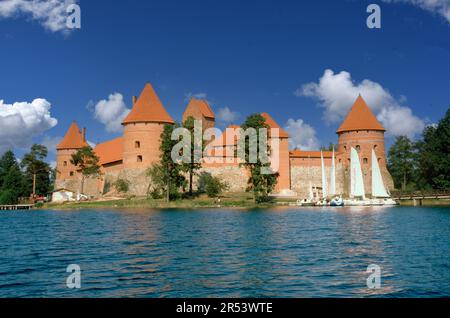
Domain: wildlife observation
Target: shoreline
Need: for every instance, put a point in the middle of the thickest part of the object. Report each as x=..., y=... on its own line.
x=243, y=202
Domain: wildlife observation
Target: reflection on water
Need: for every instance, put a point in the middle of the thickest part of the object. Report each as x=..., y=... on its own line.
x=306, y=252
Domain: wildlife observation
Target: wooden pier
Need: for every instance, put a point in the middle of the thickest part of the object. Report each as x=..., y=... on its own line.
x=16, y=207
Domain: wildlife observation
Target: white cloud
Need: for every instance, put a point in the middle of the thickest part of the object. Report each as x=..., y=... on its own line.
x=51, y=143
x=302, y=136
x=336, y=93
x=51, y=14
x=440, y=7
x=22, y=121
x=111, y=112
x=227, y=116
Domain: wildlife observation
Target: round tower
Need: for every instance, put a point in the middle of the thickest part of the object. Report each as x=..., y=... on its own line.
x=74, y=140
x=142, y=129
x=361, y=130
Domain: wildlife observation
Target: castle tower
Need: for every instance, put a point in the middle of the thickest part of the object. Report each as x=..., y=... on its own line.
x=72, y=141
x=362, y=131
x=200, y=110
x=284, y=178
x=142, y=130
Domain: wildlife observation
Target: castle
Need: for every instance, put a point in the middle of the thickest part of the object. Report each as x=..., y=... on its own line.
x=129, y=156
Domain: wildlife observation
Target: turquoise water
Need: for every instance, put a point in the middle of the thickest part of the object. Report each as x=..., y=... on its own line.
x=315, y=252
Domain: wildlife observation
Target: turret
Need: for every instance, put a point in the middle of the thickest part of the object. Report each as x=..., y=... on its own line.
x=362, y=131
x=74, y=140
x=142, y=129
x=200, y=110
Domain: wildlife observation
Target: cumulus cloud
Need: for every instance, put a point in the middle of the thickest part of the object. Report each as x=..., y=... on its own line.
x=111, y=112
x=336, y=93
x=22, y=121
x=302, y=136
x=226, y=115
x=440, y=7
x=51, y=14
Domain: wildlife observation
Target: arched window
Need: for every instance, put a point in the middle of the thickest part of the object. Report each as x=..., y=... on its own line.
x=139, y=158
x=365, y=160
x=375, y=146
x=65, y=164
x=71, y=173
x=345, y=148
x=137, y=144
x=358, y=147
x=340, y=160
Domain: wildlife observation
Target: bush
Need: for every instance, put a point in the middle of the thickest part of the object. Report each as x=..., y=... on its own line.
x=122, y=185
x=210, y=185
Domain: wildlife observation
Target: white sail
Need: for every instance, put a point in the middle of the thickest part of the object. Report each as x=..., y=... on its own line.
x=378, y=188
x=356, y=177
x=311, y=194
x=332, y=189
x=324, y=178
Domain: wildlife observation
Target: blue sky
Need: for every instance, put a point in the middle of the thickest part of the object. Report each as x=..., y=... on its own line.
x=244, y=56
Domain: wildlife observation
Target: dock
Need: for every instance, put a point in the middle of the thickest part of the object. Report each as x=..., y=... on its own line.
x=16, y=207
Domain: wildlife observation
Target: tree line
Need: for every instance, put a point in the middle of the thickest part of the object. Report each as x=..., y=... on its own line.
x=31, y=177
x=423, y=164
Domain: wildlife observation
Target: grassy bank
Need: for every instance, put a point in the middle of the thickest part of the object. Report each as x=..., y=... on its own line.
x=231, y=200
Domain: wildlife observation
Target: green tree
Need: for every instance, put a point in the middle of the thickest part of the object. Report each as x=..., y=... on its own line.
x=167, y=173
x=122, y=185
x=37, y=170
x=6, y=162
x=12, y=187
x=87, y=162
x=401, y=162
x=192, y=166
x=262, y=184
x=434, y=154
x=212, y=186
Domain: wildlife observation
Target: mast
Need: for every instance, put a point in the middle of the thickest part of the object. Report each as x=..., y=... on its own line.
x=324, y=178
x=333, y=177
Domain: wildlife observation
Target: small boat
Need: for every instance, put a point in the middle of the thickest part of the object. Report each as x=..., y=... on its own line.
x=337, y=201
x=322, y=202
x=305, y=202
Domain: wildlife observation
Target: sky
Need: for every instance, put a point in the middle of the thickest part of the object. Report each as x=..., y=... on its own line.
x=304, y=62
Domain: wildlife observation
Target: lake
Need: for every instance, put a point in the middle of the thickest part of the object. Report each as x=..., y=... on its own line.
x=286, y=252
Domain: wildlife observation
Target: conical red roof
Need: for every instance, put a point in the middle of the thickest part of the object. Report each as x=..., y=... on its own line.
x=73, y=139
x=148, y=108
x=203, y=106
x=360, y=117
x=273, y=124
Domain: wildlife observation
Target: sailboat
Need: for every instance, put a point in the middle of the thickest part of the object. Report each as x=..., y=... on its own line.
x=357, y=192
x=379, y=194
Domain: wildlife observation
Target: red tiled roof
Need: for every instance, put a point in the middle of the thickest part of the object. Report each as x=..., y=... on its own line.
x=204, y=107
x=73, y=139
x=360, y=117
x=309, y=154
x=110, y=151
x=148, y=108
x=273, y=124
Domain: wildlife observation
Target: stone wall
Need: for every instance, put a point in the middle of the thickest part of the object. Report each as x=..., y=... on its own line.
x=302, y=176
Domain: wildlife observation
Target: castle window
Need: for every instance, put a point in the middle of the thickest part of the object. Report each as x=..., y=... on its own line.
x=65, y=164
x=365, y=160
x=139, y=158
x=375, y=146
x=340, y=160
x=379, y=159
x=358, y=147
x=137, y=144
x=345, y=148
x=71, y=173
